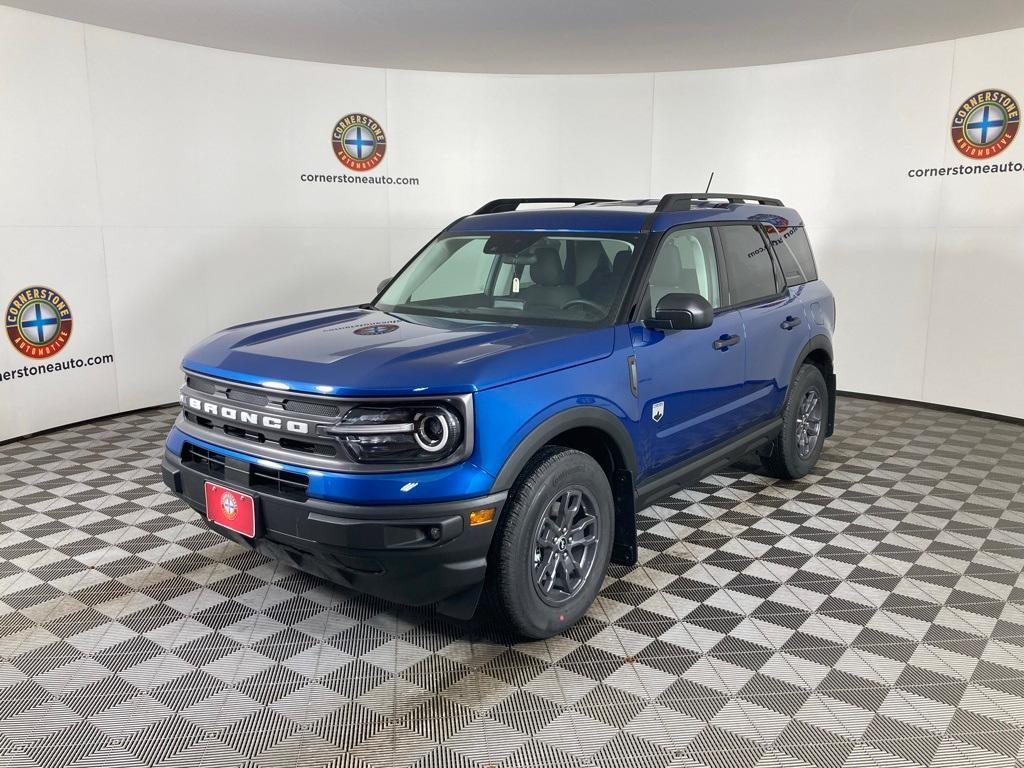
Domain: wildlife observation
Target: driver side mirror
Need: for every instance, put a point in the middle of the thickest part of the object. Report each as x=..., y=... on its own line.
x=682, y=312
x=383, y=284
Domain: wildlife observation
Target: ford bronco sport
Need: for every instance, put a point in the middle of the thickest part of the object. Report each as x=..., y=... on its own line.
x=494, y=419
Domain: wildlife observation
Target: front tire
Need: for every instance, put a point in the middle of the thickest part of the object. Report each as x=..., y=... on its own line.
x=804, y=418
x=553, y=543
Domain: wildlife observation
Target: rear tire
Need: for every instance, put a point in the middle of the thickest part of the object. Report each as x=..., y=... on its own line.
x=804, y=419
x=553, y=543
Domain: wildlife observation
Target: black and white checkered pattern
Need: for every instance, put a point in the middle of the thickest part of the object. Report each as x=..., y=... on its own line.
x=869, y=615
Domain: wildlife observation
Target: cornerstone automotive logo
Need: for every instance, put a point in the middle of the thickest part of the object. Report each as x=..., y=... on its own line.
x=38, y=322
x=376, y=330
x=359, y=142
x=985, y=124
x=229, y=506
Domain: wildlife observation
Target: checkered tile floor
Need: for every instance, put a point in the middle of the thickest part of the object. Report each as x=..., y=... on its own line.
x=870, y=615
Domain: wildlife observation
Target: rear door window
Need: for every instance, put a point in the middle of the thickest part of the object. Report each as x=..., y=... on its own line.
x=793, y=251
x=748, y=263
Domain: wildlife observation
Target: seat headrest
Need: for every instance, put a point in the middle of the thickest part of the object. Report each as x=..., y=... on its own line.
x=622, y=261
x=690, y=249
x=547, y=270
x=668, y=269
x=590, y=260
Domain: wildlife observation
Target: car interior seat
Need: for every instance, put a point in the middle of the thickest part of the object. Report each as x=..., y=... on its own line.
x=590, y=260
x=604, y=286
x=596, y=269
x=671, y=275
x=549, y=285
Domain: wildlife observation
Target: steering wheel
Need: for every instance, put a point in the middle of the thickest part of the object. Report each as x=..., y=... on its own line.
x=592, y=304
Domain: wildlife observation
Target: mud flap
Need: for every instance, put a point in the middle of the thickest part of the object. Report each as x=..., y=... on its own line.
x=830, y=385
x=462, y=605
x=624, y=544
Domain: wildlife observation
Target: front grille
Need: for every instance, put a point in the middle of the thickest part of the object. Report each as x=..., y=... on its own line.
x=313, y=409
x=201, y=385
x=319, y=449
x=278, y=482
x=208, y=462
x=245, y=396
x=260, y=403
x=255, y=436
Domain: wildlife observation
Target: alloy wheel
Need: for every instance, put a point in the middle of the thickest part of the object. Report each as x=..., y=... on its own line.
x=808, y=423
x=565, y=545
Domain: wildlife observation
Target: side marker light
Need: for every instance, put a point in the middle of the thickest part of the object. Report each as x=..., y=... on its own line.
x=481, y=516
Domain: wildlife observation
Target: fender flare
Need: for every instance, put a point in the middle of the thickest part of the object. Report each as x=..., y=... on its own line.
x=624, y=547
x=570, y=418
x=823, y=343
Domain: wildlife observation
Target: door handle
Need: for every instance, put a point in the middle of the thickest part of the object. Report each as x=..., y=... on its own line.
x=789, y=323
x=724, y=342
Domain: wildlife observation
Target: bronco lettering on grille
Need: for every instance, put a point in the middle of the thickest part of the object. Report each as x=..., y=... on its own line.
x=229, y=413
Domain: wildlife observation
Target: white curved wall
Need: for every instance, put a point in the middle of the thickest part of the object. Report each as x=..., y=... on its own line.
x=156, y=186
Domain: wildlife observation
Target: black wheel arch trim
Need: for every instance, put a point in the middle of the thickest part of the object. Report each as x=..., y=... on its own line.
x=823, y=343
x=624, y=547
x=571, y=418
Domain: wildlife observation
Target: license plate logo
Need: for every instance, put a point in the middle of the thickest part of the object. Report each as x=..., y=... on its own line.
x=231, y=509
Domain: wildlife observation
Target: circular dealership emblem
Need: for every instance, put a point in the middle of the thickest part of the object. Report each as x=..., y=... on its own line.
x=229, y=506
x=375, y=330
x=359, y=142
x=985, y=124
x=38, y=322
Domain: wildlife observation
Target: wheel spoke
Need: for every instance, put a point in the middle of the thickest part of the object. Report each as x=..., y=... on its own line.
x=572, y=569
x=583, y=524
x=555, y=513
x=578, y=535
x=570, y=506
x=549, y=569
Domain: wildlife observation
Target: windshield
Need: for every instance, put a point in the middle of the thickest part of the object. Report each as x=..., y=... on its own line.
x=520, y=277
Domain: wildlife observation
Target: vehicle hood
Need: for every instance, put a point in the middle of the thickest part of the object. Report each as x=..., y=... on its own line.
x=355, y=351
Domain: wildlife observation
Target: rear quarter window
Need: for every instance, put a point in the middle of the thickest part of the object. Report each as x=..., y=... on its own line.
x=793, y=251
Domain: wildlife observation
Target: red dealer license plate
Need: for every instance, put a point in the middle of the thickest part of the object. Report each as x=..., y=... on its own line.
x=231, y=509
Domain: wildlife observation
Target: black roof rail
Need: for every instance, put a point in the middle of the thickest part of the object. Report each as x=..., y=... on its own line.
x=681, y=201
x=503, y=204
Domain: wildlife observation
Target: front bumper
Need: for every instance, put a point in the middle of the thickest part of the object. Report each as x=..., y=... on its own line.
x=415, y=554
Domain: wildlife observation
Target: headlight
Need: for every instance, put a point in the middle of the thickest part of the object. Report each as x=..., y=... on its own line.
x=437, y=430
x=400, y=434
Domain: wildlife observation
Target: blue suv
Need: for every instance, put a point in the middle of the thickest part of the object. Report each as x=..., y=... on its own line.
x=491, y=423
